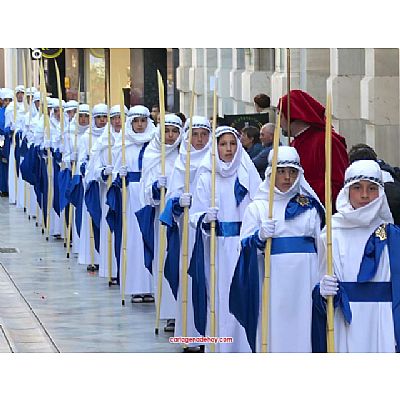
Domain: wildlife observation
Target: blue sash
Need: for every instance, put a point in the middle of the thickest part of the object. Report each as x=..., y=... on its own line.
x=244, y=297
x=240, y=192
x=171, y=265
x=145, y=218
x=114, y=213
x=74, y=194
x=363, y=290
x=93, y=205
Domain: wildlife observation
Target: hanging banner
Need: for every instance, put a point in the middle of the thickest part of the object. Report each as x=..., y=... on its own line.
x=37, y=53
x=240, y=121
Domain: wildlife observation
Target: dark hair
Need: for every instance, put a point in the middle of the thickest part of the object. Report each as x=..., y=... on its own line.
x=252, y=133
x=182, y=117
x=262, y=100
x=362, y=151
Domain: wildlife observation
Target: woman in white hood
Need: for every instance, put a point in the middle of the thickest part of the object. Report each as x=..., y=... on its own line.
x=74, y=191
x=139, y=131
x=148, y=216
x=99, y=121
x=366, y=280
x=294, y=229
x=172, y=216
x=99, y=168
x=236, y=183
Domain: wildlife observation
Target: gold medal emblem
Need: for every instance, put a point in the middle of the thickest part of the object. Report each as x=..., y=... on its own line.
x=381, y=232
x=303, y=200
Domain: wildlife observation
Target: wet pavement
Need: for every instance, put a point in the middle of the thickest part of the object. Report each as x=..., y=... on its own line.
x=49, y=303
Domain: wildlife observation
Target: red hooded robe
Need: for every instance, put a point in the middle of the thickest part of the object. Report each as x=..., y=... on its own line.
x=310, y=144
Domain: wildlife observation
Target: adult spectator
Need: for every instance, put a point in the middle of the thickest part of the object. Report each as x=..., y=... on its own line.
x=261, y=102
x=266, y=138
x=307, y=127
x=250, y=140
x=155, y=112
x=181, y=116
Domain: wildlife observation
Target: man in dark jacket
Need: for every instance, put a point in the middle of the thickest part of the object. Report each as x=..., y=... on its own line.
x=266, y=138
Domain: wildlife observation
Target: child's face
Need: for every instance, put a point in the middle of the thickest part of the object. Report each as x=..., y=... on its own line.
x=362, y=193
x=227, y=147
x=285, y=177
x=139, y=124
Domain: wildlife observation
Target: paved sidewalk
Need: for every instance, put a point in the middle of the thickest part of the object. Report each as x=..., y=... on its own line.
x=78, y=309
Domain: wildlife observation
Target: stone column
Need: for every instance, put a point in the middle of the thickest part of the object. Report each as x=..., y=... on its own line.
x=279, y=77
x=314, y=72
x=235, y=91
x=197, y=71
x=347, y=71
x=257, y=78
x=225, y=102
x=380, y=102
x=210, y=66
x=182, y=79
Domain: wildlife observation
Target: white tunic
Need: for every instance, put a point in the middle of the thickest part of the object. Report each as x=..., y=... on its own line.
x=227, y=254
x=293, y=277
x=97, y=162
x=138, y=278
x=150, y=175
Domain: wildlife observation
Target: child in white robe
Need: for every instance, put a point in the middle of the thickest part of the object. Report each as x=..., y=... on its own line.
x=172, y=216
x=236, y=182
x=294, y=229
x=366, y=276
x=149, y=215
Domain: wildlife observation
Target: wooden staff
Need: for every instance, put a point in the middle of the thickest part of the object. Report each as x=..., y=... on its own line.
x=15, y=124
x=266, y=297
x=41, y=114
x=62, y=131
x=212, y=227
x=26, y=110
x=29, y=79
x=90, y=149
x=109, y=178
x=29, y=127
x=162, y=230
x=185, y=232
x=49, y=170
x=73, y=166
x=288, y=95
x=328, y=210
x=124, y=233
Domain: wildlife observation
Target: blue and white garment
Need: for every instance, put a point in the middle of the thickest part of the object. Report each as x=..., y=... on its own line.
x=98, y=161
x=138, y=278
x=15, y=196
x=236, y=185
x=366, y=263
x=148, y=216
x=173, y=218
x=84, y=154
x=294, y=263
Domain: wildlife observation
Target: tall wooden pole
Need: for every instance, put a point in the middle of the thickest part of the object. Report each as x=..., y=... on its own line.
x=15, y=124
x=162, y=230
x=26, y=110
x=109, y=178
x=328, y=211
x=288, y=96
x=185, y=231
x=266, y=292
x=89, y=155
x=124, y=232
x=59, y=91
x=212, y=227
